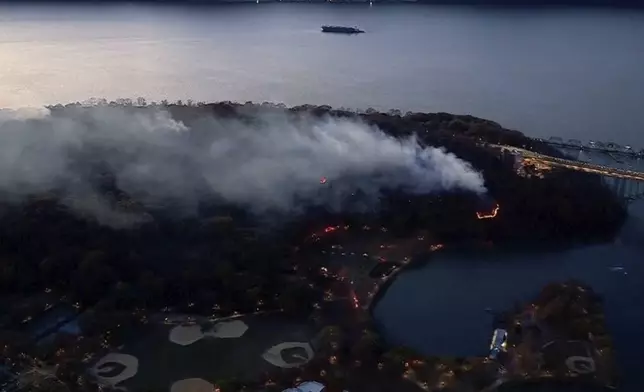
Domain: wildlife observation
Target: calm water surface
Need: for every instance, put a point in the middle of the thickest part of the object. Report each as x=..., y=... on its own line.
x=576, y=74
x=440, y=308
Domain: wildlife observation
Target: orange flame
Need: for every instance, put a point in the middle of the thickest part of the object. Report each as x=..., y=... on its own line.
x=315, y=236
x=491, y=215
x=354, y=297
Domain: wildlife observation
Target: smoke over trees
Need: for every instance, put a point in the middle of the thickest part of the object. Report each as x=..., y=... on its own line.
x=183, y=179
x=267, y=161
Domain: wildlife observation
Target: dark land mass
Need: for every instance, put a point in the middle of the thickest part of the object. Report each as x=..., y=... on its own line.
x=222, y=260
x=45, y=245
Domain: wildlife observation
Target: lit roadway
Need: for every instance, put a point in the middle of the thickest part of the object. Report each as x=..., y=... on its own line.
x=574, y=165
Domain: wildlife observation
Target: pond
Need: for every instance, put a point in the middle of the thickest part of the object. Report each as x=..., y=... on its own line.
x=439, y=308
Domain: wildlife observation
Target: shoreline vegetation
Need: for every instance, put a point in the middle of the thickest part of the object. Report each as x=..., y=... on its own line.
x=222, y=262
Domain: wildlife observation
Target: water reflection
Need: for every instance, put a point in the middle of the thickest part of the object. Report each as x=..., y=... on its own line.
x=447, y=314
x=548, y=72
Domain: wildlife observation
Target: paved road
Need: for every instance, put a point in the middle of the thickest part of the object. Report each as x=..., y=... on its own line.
x=574, y=165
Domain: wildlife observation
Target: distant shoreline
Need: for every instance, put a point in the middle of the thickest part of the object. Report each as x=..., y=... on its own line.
x=622, y=4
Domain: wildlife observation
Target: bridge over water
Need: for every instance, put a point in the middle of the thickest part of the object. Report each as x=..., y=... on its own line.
x=609, y=148
x=627, y=190
x=627, y=184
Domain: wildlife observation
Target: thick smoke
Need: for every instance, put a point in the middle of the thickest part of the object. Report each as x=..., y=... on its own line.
x=272, y=162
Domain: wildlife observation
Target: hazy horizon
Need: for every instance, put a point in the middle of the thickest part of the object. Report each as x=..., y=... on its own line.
x=546, y=72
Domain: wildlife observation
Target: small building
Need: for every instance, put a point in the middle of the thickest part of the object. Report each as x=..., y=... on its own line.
x=307, y=386
x=499, y=342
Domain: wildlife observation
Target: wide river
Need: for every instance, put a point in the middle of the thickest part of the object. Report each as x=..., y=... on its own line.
x=572, y=73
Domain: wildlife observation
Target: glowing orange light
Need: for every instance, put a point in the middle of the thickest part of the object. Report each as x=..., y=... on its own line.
x=356, y=303
x=323, y=180
x=491, y=215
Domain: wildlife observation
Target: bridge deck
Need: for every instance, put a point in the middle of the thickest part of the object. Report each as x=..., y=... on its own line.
x=575, y=165
x=585, y=147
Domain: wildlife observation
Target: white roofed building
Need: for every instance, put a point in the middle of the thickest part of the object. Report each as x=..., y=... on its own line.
x=307, y=386
x=499, y=341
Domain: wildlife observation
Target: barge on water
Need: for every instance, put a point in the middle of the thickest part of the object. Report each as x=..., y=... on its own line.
x=341, y=30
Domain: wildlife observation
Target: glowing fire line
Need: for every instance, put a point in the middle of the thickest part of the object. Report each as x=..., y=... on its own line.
x=491, y=215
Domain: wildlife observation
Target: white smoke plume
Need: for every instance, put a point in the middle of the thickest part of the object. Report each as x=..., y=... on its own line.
x=272, y=162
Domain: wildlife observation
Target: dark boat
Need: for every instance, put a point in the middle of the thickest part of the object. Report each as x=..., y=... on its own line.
x=341, y=30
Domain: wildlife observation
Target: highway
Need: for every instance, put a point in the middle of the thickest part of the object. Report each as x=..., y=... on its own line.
x=574, y=165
